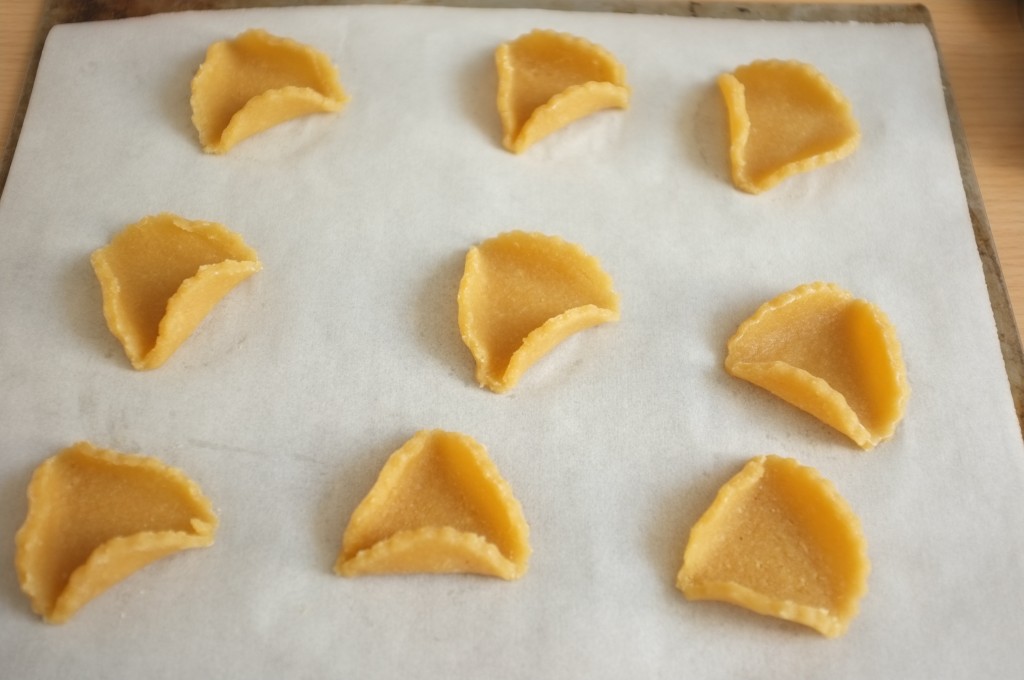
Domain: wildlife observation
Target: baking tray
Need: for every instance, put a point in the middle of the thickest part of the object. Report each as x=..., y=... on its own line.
x=342, y=469
x=69, y=11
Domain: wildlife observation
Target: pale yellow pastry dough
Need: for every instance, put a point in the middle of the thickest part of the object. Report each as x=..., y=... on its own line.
x=256, y=81
x=160, y=278
x=96, y=516
x=522, y=294
x=785, y=117
x=439, y=506
x=547, y=80
x=779, y=540
x=831, y=355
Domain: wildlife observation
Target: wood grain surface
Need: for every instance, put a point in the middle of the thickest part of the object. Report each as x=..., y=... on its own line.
x=982, y=48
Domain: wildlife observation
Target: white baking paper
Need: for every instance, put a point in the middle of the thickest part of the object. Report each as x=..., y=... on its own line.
x=289, y=398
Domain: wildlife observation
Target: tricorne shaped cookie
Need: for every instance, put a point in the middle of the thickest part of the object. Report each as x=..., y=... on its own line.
x=161, y=276
x=785, y=117
x=96, y=516
x=779, y=540
x=439, y=506
x=523, y=293
x=834, y=356
x=256, y=81
x=547, y=80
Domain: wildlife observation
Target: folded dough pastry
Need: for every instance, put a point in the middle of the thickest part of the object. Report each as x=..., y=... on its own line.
x=160, y=278
x=547, y=80
x=96, y=516
x=829, y=354
x=256, y=81
x=522, y=294
x=439, y=506
x=784, y=117
x=779, y=540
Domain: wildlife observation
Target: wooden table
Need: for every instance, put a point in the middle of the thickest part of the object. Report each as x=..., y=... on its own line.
x=982, y=46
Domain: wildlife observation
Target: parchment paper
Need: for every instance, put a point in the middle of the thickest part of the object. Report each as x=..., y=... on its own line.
x=287, y=401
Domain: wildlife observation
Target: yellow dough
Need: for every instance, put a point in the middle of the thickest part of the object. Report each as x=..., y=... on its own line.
x=256, y=81
x=779, y=540
x=522, y=294
x=160, y=278
x=95, y=517
x=829, y=354
x=547, y=80
x=784, y=117
x=439, y=506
